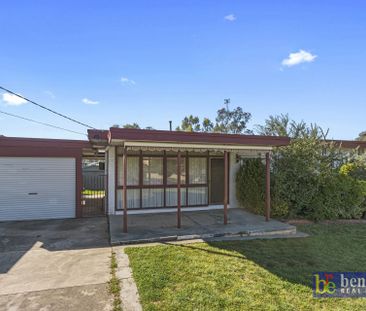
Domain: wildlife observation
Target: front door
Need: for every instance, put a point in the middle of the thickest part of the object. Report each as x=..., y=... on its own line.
x=217, y=181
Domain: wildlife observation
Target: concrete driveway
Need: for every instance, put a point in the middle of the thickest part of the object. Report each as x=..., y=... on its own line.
x=55, y=265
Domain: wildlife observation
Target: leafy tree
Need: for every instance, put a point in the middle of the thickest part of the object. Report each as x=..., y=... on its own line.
x=207, y=125
x=131, y=126
x=190, y=124
x=275, y=126
x=227, y=121
x=281, y=125
x=232, y=121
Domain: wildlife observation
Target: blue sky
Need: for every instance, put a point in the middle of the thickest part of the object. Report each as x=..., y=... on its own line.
x=154, y=61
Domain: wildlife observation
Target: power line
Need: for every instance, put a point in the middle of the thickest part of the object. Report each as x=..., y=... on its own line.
x=42, y=123
x=48, y=109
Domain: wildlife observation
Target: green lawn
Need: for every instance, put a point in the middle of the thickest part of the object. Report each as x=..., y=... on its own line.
x=93, y=192
x=249, y=275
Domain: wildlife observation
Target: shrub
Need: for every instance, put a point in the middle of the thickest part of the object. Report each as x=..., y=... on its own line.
x=250, y=185
x=309, y=180
x=355, y=168
x=250, y=189
x=339, y=196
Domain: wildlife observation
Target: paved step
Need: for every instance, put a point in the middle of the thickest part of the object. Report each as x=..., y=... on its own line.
x=259, y=233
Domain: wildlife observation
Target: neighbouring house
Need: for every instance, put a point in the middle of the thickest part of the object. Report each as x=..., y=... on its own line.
x=147, y=171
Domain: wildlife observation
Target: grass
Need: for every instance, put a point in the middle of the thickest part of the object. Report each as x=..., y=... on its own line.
x=94, y=192
x=114, y=286
x=249, y=275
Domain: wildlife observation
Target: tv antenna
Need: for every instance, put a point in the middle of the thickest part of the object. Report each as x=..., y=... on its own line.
x=226, y=103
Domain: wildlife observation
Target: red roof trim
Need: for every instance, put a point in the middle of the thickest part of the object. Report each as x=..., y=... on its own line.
x=22, y=142
x=349, y=144
x=196, y=137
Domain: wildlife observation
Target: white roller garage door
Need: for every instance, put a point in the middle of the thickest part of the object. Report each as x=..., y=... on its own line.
x=37, y=188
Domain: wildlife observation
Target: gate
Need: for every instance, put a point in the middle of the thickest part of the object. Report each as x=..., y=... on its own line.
x=94, y=194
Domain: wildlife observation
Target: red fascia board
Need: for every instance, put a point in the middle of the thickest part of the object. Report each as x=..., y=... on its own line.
x=195, y=137
x=349, y=144
x=20, y=142
x=40, y=147
x=40, y=152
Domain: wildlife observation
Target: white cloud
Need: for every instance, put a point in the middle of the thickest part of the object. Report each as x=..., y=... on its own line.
x=13, y=100
x=127, y=81
x=298, y=58
x=88, y=101
x=230, y=17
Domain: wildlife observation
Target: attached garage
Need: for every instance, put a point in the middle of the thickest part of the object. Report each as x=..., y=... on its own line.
x=37, y=188
x=40, y=178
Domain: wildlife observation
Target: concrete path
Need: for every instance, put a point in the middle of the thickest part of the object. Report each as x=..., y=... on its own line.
x=129, y=293
x=145, y=228
x=55, y=265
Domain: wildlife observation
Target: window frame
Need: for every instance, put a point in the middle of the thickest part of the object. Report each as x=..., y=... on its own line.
x=185, y=156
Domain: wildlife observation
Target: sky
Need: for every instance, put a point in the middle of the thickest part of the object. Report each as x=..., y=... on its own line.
x=117, y=62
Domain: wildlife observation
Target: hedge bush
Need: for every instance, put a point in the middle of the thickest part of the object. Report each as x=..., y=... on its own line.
x=309, y=180
x=250, y=188
x=250, y=185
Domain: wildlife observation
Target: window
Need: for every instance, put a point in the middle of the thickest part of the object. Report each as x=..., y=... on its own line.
x=152, y=180
x=171, y=196
x=152, y=197
x=171, y=174
x=133, y=199
x=198, y=170
x=197, y=196
x=132, y=171
x=152, y=170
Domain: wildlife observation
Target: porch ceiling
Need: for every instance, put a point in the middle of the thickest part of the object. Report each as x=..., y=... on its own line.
x=149, y=146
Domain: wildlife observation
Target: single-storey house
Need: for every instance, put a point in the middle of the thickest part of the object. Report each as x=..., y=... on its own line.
x=147, y=171
x=152, y=171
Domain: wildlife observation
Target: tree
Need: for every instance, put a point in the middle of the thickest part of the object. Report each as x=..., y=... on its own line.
x=227, y=121
x=232, y=121
x=281, y=125
x=131, y=126
x=207, y=125
x=190, y=124
x=274, y=126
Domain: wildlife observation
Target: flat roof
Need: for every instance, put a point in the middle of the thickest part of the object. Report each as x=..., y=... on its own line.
x=142, y=135
x=42, y=142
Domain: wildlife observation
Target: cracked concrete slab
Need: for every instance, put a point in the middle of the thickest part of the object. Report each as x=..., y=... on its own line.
x=55, y=265
x=159, y=227
x=41, y=269
x=87, y=297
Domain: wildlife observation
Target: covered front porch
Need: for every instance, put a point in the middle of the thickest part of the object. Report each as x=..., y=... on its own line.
x=159, y=179
x=203, y=224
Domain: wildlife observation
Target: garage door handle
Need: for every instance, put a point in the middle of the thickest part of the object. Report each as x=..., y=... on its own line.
x=33, y=193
